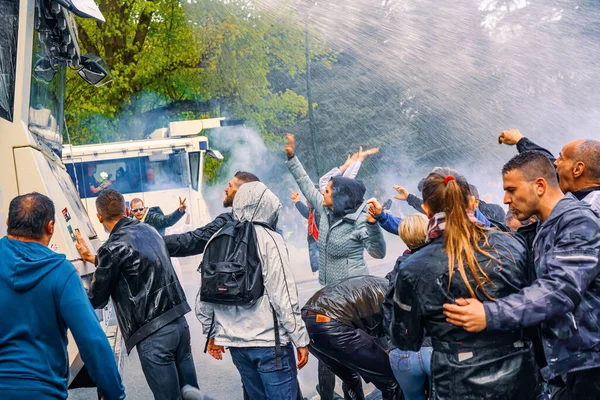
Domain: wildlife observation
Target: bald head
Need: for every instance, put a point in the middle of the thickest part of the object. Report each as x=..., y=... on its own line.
x=578, y=166
x=588, y=152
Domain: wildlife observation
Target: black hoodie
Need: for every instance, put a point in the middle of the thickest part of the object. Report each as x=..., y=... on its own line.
x=347, y=195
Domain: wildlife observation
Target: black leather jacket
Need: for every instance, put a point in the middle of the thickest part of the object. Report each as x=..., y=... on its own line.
x=133, y=267
x=354, y=301
x=484, y=365
x=156, y=218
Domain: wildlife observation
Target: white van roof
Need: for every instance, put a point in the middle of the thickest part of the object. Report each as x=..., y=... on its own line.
x=133, y=148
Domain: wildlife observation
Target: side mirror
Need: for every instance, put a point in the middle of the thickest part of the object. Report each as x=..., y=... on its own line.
x=43, y=70
x=94, y=70
x=215, y=154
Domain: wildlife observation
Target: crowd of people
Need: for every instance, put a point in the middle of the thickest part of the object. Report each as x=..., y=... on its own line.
x=483, y=304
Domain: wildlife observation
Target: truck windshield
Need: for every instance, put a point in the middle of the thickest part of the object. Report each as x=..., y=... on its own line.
x=131, y=175
x=9, y=29
x=46, y=103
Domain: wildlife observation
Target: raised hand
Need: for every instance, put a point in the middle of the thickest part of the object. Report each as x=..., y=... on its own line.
x=295, y=196
x=182, y=205
x=289, y=146
x=364, y=154
x=510, y=137
x=375, y=208
x=402, y=193
x=349, y=161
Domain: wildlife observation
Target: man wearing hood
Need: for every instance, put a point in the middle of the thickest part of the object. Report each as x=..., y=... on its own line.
x=134, y=269
x=249, y=332
x=565, y=298
x=42, y=296
x=344, y=231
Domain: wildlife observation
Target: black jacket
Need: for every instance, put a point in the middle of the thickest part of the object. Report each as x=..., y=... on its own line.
x=565, y=297
x=133, y=267
x=388, y=302
x=354, y=301
x=156, y=218
x=484, y=365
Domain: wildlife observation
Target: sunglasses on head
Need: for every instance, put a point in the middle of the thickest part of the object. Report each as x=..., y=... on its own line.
x=137, y=210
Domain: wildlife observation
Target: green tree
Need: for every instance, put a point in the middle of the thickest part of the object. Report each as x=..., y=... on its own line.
x=175, y=59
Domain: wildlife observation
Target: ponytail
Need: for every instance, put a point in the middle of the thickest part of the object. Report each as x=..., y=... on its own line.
x=447, y=191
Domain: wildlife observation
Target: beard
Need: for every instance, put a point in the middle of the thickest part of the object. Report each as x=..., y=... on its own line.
x=228, y=201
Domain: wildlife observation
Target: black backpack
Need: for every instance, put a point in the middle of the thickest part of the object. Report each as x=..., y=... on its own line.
x=231, y=272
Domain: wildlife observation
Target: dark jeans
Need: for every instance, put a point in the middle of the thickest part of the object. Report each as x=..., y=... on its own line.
x=326, y=386
x=261, y=378
x=167, y=362
x=351, y=354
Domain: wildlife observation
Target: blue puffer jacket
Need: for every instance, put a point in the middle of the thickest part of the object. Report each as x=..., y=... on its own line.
x=565, y=297
x=344, y=233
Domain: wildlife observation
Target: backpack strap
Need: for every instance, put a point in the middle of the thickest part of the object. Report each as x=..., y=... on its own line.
x=212, y=325
x=264, y=225
x=277, y=342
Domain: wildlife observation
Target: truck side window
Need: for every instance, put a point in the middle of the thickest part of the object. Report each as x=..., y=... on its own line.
x=9, y=29
x=194, y=168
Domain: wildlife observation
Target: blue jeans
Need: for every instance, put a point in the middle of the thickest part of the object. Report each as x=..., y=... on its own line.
x=167, y=362
x=260, y=376
x=410, y=369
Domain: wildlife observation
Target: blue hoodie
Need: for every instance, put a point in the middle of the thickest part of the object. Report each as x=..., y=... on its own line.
x=42, y=296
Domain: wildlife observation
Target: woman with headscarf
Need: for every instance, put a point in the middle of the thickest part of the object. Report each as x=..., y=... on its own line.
x=344, y=232
x=463, y=259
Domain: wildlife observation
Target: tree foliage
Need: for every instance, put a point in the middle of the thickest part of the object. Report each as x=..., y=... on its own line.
x=175, y=60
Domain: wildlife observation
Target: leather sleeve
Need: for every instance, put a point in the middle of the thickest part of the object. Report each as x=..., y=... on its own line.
x=406, y=329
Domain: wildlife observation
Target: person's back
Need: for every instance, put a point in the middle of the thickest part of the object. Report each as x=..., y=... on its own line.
x=427, y=270
x=251, y=331
x=354, y=301
x=147, y=286
x=134, y=269
x=463, y=260
x=42, y=296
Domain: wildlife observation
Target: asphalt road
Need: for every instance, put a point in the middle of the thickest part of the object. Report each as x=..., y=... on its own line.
x=219, y=379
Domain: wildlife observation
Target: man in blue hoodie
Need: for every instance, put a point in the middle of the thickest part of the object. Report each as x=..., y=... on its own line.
x=42, y=296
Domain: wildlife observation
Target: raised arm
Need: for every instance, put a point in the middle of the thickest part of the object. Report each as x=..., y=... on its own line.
x=384, y=219
x=307, y=187
x=371, y=236
x=193, y=243
x=513, y=137
x=302, y=209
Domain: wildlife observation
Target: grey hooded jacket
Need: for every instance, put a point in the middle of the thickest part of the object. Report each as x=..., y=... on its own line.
x=252, y=326
x=341, y=244
x=565, y=297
